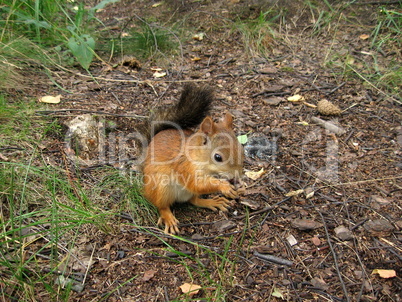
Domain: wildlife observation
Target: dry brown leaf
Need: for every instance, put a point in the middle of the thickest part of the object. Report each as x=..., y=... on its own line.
x=252, y=204
x=190, y=289
x=305, y=224
x=364, y=36
x=199, y=36
x=255, y=175
x=316, y=241
x=294, y=193
x=309, y=192
x=50, y=99
x=384, y=273
x=159, y=74
x=148, y=275
x=296, y=98
x=310, y=105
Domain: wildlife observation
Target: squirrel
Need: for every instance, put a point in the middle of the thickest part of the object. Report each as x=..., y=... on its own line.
x=181, y=164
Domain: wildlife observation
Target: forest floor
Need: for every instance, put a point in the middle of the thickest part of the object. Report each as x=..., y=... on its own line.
x=328, y=202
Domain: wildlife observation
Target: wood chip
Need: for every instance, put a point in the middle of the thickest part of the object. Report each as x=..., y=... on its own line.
x=224, y=225
x=343, y=233
x=305, y=224
x=379, y=227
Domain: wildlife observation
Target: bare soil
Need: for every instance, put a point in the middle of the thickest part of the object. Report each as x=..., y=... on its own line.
x=354, y=178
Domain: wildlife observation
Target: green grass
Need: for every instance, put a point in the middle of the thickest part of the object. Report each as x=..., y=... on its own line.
x=54, y=26
x=58, y=33
x=325, y=16
x=145, y=41
x=258, y=35
x=388, y=31
x=46, y=211
x=379, y=66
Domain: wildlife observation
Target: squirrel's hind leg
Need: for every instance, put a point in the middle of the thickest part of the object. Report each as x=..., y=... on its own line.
x=167, y=218
x=214, y=204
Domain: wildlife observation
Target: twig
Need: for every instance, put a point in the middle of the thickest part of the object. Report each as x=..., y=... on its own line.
x=109, y=164
x=328, y=125
x=336, y=88
x=46, y=112
x=89, y=265
x=116, y=97
x=11, y=148
x=391, y=247
x=273, y=259
x=349, y=136
x=359, y=224
x=345, y=291
x=275, y=205
x=266, y=209
x=265, y=93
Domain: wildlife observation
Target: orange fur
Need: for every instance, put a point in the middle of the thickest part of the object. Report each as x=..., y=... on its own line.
x=181, y=165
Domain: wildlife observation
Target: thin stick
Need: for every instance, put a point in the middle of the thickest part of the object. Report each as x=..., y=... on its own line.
x=345, y=291
x=89, y=264
x=45, y=112
x=274, y=259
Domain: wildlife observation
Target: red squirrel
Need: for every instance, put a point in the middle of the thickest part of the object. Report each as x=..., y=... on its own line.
x=182, y=164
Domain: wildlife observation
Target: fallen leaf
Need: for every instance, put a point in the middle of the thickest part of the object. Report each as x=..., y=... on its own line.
x=296, y=98
x=195, y=59
x=384, y=273
x=343, y=233
x=199, y=36
x=380, y=200
x=316, y=241
x=303, y=123
x=305, y=224
x=157, y=4
x=294, y=193
x=224, y=225
x=277, y=293
x=252, y=204
x=50, y=99
x=255, y=175
x=319, y=283
x=242, y=139
x=379, y=227
x=364, y=36
x=273, y=101
x=291, y=240
x=309, y=192
x=190, y=289
x=159, y=74
x=148, y=275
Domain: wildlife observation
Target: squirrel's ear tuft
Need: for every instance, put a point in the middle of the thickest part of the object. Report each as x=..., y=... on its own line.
x=207, y=126
x=228, y=120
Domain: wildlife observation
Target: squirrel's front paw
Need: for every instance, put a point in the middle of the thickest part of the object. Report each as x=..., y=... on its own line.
x=170, y=222
x=229, y=191
x=216, y=203
x=221, y=202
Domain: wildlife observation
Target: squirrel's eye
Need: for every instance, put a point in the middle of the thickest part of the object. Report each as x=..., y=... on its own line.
x=218, y=157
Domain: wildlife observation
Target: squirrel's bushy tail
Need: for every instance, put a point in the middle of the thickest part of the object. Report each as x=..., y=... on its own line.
x=192, y=108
